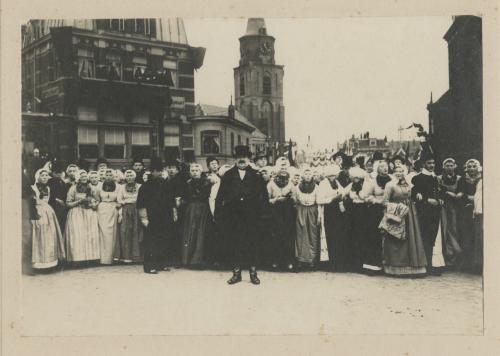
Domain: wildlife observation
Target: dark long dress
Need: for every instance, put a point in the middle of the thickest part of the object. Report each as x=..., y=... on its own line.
x=59, y=190
x=196, y=221
x=336, y=224
x=358, y=213
x=405, y=256
x=449, y=217
x=158, y=200
x=472, y=228
x=283, y=223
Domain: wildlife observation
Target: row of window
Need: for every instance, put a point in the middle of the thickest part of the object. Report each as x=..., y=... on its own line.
x=211, y=142
x=114, y=142
x=145, y=27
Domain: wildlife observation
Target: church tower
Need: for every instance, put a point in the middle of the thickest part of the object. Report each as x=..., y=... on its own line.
x=258, y=82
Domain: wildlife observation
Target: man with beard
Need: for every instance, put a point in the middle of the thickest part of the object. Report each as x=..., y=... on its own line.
x=157, y=212
x=242, y=196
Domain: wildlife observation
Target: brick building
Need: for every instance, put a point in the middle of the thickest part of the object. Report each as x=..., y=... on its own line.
x=456, y=118
x=113, y=88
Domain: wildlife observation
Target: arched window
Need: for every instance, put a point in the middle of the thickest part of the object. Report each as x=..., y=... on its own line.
x=210, y=142
x=242, y=84
x=266, y=84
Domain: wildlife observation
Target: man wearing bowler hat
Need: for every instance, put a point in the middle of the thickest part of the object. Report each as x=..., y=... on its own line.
x=242, y=196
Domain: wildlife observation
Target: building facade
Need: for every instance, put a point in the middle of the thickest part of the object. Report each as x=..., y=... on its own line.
x=258, y=83
x=217, y=130
x=456, y=118
x=112, y=88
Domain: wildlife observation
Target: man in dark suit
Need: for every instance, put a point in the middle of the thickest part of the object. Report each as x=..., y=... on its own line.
x=241, y=197
x=427, y=196
x=157, y=212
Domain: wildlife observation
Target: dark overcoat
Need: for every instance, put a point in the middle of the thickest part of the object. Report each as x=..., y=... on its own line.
x=238, y=208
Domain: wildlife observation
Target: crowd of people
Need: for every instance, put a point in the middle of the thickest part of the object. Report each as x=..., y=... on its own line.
x=382, y=216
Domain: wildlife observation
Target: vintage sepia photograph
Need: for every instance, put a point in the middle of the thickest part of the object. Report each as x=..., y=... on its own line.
x=251, y=176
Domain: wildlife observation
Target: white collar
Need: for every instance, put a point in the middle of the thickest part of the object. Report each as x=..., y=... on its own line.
x=428, y=173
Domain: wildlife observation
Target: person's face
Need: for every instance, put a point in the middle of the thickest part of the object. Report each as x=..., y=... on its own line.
x=138, y=166
x=36, y=153
x=213, y=166
x=283, y=167
x=71, y=172
x=172, y=171
x=449, y=168
x=129, y=177
x=94, y=179
x=102, y=166
x=84, y=178
x=242, y=162
x=109, y=176
x=383, y=169
x=195, y=171
x=308, y=176
x=472, y=168
x=398, y=163
x=338, y=161
x=44, y=177
x=369, y=167
x=145, y=176
x=296, y=179
x=322, y=157
x=155, y=173
x=261, y=162
x=265, y=175
x=399, y=173
x=316, y=176
x=430, y=165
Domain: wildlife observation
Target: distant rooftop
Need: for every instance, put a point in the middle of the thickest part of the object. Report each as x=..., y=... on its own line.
x=256, y=26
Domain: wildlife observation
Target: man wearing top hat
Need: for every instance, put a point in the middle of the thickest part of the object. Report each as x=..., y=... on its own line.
x=242, y=196
x=427, y=195
x=157, y=212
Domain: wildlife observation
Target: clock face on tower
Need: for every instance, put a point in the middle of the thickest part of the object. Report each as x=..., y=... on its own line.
x=265, y=48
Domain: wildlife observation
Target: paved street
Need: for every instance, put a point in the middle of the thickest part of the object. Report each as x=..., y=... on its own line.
x=121, y=300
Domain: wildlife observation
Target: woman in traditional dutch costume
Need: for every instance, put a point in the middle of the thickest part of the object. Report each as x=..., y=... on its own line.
x=402, y=246
x=48, y=244
x=307, y=222
x=283, y=220
x=128, y=246
x=107, y=213
x=82, y=227
x=197, y=217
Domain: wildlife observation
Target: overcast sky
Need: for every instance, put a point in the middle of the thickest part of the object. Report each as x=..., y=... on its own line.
x=342, y=76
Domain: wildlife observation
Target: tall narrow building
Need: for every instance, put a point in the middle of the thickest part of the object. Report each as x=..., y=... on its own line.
x=258, y=82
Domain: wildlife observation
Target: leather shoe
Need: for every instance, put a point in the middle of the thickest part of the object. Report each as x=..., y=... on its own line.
x=235, y=278
x=253, y=278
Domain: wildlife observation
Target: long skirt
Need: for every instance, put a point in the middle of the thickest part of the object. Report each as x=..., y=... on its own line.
x=337, y=236
x=359, y=233
x=283, y=232
x=48, y=243
x=449, y=229
x=196, y=220
x=405, y=257
x=128, y=245
x=371, y=240
x=82, y=235
x=307, y=246
x=27, y=241
x=108, y=230
x=478, y=241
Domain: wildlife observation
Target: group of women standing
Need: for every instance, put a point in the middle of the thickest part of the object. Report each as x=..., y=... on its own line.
x=342, y=218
